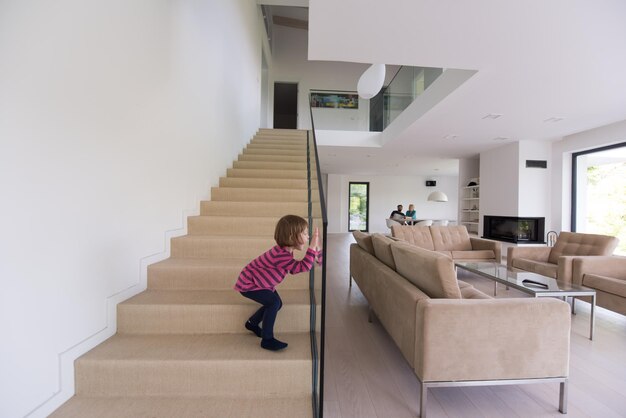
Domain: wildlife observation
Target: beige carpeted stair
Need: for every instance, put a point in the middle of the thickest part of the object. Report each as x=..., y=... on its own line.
x=181, y=349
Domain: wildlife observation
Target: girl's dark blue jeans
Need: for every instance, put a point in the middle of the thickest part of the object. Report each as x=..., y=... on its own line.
x=267, y=313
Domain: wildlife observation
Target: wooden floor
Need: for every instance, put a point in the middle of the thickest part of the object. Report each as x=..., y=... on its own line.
x=366, y=375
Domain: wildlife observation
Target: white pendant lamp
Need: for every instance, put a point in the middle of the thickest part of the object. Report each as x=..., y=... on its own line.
x=371, y=81
x=437, y=197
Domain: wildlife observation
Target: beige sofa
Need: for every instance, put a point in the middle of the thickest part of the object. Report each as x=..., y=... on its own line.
x=453, y=241
x=556, y=262
x=450, y=333
x=607, y=275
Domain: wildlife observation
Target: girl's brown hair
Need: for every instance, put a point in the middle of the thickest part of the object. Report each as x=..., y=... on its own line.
x=288, y=230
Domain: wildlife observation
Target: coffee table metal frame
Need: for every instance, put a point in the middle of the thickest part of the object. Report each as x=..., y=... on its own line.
x=537, y=285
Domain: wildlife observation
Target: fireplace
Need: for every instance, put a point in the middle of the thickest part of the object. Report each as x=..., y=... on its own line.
x=514, y=229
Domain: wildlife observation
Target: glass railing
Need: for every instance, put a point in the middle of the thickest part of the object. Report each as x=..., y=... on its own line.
x=317, y=279
x=345, y=111
x=404, y=88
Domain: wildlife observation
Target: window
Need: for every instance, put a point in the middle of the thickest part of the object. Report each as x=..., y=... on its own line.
x=599, y=192
x=358, y=207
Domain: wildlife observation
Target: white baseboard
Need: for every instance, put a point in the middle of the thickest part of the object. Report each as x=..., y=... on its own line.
x=67, y=357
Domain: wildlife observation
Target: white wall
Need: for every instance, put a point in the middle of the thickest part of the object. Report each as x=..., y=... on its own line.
x=385, y=193
x=534, y=183
x=499, y=178
x=291, y=64
x=562, y=166
x=115, y=119
x=509, y=188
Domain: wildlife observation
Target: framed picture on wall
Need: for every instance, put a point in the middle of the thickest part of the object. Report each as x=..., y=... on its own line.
x=334, y=100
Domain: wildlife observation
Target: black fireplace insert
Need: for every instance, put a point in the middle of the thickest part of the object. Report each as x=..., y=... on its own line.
x=514, y=229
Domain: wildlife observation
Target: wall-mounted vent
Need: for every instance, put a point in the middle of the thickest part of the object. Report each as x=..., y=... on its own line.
x=536, y=164
x=431, y=183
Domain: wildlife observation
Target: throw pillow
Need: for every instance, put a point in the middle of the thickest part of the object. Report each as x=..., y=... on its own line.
x=364, y=241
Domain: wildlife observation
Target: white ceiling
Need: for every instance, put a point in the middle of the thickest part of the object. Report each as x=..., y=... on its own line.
x=536, y=60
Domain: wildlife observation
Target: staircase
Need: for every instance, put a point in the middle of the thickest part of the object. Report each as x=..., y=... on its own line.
x=181, y=349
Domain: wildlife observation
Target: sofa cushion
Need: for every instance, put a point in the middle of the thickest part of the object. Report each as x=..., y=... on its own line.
x=463, y=284
x=431, y=272
x=471, y=292
x=576, y=243
x=382, y=249
x=364, y=241
x=451, y=238
x=446, y=253
x=473, y=255
x=416, y=235
x=546, y=269
x=534, y=266
x=606, y=284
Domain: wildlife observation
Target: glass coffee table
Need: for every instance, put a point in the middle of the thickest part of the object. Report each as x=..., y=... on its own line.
x=533, y=284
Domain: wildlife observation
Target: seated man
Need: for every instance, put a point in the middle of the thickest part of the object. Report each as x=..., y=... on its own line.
x=398, y=215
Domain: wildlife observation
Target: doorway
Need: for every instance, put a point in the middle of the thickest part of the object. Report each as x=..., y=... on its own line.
x=599, y=192
x=285, y=105
x=358, y=206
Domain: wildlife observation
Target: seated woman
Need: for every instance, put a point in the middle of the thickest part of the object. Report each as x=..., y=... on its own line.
x=411, y=214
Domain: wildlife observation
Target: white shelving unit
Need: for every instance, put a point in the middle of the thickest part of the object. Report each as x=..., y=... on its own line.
x=470, y=208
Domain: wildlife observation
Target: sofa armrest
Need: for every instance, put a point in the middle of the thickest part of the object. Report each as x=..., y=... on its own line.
x=489, y=339
x=564, y=269
x=487, y=244
x=530, y=253
x=608, y=266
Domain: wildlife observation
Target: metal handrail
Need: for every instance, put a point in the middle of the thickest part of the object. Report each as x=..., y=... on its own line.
x=318, y=357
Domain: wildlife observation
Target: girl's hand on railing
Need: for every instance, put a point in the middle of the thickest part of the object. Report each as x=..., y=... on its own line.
x=315, y=241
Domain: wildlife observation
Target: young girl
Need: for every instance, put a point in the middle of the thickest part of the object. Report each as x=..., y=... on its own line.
x=258, y=280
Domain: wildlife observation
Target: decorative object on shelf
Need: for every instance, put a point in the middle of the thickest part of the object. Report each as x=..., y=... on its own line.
x=470, y=205
x=371, y=81
x=551, y=238
x=437, y=196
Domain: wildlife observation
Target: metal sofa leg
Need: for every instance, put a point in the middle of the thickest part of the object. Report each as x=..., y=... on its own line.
x=423, y=395
x=563, y=397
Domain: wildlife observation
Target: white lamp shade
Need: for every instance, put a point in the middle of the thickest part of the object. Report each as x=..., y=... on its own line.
x=438, y=197
x=371, y=81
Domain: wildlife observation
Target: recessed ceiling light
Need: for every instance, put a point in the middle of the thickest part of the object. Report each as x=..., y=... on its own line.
x=500, y=138
x=554, y=119
x=450, y=136
x=492, y=116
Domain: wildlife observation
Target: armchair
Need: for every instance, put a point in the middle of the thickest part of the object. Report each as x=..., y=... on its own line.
x=556, y=262
x=390, y=222
x=607, y=275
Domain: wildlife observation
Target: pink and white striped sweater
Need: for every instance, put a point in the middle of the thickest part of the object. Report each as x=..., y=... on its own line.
x=270, y=268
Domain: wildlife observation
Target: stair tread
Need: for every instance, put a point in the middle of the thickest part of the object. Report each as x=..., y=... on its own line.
x=209, y=297
x=184, y=407
x=197, y=347
x=202, y=262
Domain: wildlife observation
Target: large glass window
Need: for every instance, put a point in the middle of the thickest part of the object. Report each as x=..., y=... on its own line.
x=599, y=193
x=358, y=207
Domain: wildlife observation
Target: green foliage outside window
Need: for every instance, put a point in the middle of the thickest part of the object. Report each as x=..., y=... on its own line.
x=358, y=207
x=606, y=202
